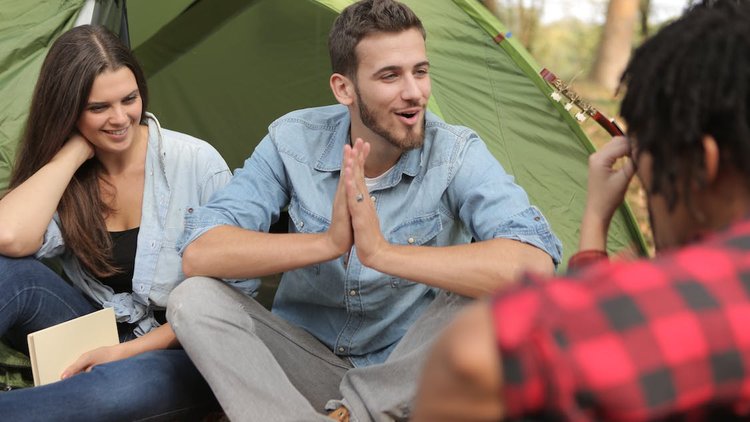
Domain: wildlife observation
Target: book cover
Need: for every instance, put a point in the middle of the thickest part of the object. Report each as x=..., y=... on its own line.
x=54, y=348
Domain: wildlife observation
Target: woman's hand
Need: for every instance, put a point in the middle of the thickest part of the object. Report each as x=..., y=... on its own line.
x=90, y=359
x=77, y=147
x=161, y=337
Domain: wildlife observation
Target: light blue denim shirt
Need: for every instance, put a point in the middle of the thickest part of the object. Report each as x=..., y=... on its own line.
x=445, y=193
x=181, y=172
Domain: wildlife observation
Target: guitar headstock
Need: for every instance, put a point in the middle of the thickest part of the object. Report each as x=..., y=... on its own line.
x=583, y=110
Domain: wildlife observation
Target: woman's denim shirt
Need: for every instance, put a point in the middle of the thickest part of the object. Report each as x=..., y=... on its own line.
x=445, y=193
x=181, y=172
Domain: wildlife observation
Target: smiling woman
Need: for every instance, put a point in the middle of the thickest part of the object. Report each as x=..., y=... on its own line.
x=101, y=186
x=110, y=123
x=110, y=120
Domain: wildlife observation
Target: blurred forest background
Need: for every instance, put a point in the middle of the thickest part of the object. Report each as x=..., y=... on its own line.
x=588, y=43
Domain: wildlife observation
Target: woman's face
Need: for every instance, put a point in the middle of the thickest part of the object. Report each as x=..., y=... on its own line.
x=112, y=113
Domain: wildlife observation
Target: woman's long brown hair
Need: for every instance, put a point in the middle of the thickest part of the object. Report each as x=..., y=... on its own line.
x=62, y=91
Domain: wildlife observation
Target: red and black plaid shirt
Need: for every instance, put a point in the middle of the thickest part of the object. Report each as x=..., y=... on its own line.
x=667, y=339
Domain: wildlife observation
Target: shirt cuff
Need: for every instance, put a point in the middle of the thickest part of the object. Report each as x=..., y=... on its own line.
x=583, y=259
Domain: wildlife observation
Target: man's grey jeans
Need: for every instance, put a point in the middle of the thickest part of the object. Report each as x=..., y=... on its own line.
x=262, y=368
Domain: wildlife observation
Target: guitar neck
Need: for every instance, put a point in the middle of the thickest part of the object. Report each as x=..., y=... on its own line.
x=586, y=109
x=608, y=124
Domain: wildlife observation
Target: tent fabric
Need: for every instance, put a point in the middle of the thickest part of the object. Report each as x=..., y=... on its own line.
x=623, y=224
x=27, y=29
x=223, y=71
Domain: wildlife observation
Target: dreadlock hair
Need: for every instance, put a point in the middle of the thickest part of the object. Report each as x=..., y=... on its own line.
x=691, y=80
x=62, y=91
x=361, y=19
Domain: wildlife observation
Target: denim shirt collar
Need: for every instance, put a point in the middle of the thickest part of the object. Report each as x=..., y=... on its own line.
x=333, y=154
x=156, y=149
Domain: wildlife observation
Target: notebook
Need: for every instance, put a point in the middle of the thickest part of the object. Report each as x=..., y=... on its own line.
x=53, y=349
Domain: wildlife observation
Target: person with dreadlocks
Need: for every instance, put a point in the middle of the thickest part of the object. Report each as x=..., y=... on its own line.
x=665, y=339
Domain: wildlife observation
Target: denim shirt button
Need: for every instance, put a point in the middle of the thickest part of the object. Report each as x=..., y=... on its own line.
x=190, y=210
x=410, y=240
x=341, y=350
x=352, y=293
x=373, y=198
x=301, y=224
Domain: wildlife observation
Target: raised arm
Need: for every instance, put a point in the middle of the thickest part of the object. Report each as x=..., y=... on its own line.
x=25, y=212
x=229, y=251
x=473, y=270
x=607, y=185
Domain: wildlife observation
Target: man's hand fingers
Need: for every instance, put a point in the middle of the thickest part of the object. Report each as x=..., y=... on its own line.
x=613, y=150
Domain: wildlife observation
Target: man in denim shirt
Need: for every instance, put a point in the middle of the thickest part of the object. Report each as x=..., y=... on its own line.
x=378, y=256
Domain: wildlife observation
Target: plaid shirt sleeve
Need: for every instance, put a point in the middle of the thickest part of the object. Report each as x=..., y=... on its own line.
x=637, y=341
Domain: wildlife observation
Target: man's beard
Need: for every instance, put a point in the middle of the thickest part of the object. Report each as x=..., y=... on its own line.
x=411, y=141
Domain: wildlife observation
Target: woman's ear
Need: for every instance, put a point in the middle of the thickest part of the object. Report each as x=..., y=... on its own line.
x=343, y=89
x=710, y=158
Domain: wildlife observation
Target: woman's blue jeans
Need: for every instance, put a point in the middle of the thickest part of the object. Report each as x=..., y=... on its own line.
x=157, y=385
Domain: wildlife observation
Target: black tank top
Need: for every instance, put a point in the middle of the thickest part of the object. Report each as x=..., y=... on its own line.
x=124, y=244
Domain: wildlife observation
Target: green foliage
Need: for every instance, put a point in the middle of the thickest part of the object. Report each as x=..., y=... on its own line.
x=567, y=47
x=522, y=18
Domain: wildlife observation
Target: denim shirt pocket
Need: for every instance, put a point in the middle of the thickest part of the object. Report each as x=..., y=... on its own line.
x=422, y=230
x=306, y=221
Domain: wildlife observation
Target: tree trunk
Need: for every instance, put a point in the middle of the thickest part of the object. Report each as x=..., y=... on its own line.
x=491, y=5
x=528, y=22
x=521, y=19
x=615, y=44
x=644, y=12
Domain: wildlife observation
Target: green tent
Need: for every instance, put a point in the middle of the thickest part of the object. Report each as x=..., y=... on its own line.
x=224, y=70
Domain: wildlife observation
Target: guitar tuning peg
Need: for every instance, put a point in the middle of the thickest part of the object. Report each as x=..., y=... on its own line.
x=581, y=116
x=568, y=106
x=556, y=96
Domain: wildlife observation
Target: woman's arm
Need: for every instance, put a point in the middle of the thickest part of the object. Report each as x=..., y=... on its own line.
x=160, y=338
x=25, y=212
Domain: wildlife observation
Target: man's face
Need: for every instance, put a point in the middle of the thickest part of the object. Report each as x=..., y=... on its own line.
x=392, y=87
